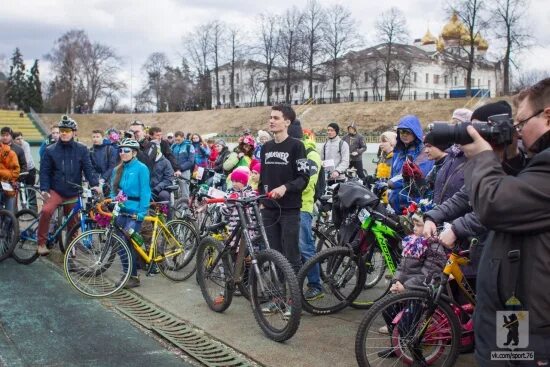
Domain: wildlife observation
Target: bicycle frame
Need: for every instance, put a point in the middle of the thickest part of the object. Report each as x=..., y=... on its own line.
x=381, y=233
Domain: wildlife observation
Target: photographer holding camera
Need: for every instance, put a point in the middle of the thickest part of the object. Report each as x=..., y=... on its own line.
x=516, y=260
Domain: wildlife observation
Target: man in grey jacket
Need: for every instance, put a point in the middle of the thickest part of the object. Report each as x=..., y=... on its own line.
x=357, y=147
x=335, y=154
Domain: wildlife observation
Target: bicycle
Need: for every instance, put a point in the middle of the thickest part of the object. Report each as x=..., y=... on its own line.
x=9, y=230
x=28, y=196
x=271, y=280
x=368, y=252
x=25, y=251
x=424, y=324
x=97, y=263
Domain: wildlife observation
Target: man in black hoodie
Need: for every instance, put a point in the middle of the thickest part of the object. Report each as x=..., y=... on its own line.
x=285, y=173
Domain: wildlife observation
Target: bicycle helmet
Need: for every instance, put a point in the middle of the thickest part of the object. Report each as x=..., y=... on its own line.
x=67, y=123
x=129, y=143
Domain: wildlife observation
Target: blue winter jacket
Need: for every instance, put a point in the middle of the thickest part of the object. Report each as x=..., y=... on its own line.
x=398, y=197
x=62, y=166
x=104, y=158
x=185, y=155
x=134, y=182
x=201, y=154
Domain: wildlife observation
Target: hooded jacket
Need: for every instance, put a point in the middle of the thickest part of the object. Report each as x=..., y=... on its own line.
x=62, y=166
x=450, y=176
x=104, y=159
x=338, y=152
x=9, y=164
x=162, y=175
x=20, y=156
x=134, y=182
x=184, y=154
x=356, y=144
x=516, y=209
x=314, y=161
x=397, y=198
x=202, y=152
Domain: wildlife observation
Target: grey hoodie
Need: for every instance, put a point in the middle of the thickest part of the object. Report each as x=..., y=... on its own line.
x=331, y=150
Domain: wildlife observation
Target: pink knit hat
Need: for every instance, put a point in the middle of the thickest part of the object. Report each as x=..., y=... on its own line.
x=255, y=166
x=240, y=175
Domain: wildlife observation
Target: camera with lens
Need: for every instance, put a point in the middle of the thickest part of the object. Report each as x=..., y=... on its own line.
x=128, y=135
x=499, y=130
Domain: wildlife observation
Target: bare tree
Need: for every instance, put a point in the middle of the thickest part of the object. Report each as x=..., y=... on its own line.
x=154, y=67
x=391, y=28
x=339, y=37
x=314, y=19
x=198, y=49
x=255, y=84
x=290, y=39
x=65, y=61
x=530, y=77
x=217, y=31
x=470, y=12
x=235, y=54
x=99, y=68
x=510, y=29
x=268, y=46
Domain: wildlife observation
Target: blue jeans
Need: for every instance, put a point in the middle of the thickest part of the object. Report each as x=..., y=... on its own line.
x=126, y=223
x=307, y=249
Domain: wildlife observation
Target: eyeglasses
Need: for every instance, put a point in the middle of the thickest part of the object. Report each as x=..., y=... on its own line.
x=405, y=132
x=521, y=123
x=65, y=130
x=125, y=150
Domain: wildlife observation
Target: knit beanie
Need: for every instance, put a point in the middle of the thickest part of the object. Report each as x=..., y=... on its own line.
x=497, y=108
x=221, y=142
x=255, y=166
x=240, y=175
x=462, y=114
x=335, y=126
x=263, y=134
x=429, y=138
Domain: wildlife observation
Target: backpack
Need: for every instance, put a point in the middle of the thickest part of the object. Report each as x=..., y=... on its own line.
x=339, y=148
x=321, y=185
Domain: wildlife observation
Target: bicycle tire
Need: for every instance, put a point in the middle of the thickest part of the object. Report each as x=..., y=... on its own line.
x=86, y=263
x=285, y=296
x=376, y=266
x=399, y=313
x=25, y=251
x=370, y=295
x=38, y=196
x=179, y=267
x=9, y=233
x=342, y=278
x=74, y=231
x=219, y=274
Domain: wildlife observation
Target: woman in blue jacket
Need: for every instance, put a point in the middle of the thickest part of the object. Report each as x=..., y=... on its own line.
x=409, y=146
x=132, y=178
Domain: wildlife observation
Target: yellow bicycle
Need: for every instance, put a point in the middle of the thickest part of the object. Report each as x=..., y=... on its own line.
x=98, y=262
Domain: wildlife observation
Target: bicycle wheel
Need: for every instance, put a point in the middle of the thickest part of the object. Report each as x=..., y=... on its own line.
x=403, y=326
x=377, y=275
x=27, y=243
x=178, y=263
x=9, y=233
x=214, y=277
x=97, y=263
x=342, y=278
x=76, y=230
x=274, y=295
x=35, y=201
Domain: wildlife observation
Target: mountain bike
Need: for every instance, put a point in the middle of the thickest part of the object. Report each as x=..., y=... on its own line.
x=421, y=326
x=98, y=262
x=272, y=284
x=9, y=231
x=25, y=251
x=352, y=273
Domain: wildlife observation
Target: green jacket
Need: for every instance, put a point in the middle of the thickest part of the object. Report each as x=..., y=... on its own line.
x=314, y=160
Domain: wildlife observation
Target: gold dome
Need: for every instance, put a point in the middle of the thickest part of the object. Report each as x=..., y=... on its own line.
x=428, y=38
x=465, y=40
x=483, y=45
x=455, y=29
x=440, y=44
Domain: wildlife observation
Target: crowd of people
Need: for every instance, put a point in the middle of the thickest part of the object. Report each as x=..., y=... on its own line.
x=497, y=194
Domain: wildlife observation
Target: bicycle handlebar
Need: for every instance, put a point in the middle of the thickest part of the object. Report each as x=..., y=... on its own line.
x=244, y=201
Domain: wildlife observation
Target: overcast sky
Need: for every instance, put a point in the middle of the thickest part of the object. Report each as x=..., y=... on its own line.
x=136, y=28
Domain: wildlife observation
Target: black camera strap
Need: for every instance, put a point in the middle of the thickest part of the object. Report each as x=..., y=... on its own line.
x=512, y=278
